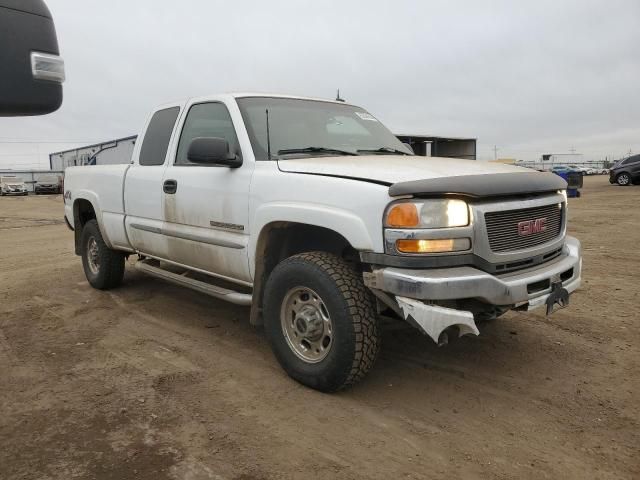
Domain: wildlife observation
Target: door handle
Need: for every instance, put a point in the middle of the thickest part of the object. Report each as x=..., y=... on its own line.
x=170, y=186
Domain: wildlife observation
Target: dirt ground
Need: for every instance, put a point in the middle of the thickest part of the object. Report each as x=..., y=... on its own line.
x=151, y=381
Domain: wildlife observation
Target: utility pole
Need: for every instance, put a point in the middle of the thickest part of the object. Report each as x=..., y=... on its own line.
x=495, y=152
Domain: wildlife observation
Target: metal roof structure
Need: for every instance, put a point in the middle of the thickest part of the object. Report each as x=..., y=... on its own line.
x=83, y=147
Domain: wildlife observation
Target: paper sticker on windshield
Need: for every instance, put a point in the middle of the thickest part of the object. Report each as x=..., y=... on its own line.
x=366, y=116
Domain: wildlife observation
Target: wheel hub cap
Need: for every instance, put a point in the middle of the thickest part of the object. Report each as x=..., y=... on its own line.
x=93, y=257
x=306, y=324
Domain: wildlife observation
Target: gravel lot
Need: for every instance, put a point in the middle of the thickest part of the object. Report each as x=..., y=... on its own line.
x=152, y=381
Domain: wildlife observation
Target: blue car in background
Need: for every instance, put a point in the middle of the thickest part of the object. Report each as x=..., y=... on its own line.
x=574, y=179
x=559, y=170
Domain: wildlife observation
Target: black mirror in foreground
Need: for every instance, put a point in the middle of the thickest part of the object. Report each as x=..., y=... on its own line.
x=32, y=69
x=212, y=150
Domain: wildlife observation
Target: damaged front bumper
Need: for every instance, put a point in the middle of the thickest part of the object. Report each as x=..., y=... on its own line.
x=525, y=289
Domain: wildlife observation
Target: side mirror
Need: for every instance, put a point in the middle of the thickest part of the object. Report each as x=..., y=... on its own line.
x=32, y=70
x=212, y=150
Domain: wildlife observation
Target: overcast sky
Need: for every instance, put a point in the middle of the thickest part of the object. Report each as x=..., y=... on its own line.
x=531, y=77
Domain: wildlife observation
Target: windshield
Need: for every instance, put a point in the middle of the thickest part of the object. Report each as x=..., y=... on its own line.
x=303, y=128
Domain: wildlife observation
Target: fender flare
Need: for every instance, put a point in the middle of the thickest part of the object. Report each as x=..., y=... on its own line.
x=341, y=221
x=93, y=199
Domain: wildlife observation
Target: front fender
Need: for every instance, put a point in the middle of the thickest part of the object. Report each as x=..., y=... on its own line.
x=341, y=221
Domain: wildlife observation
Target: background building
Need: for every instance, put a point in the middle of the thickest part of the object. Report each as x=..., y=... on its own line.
x=434, y=146
x=106, y=153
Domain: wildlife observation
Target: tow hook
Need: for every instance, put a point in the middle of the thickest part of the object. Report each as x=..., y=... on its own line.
x=439, y=323
x=558, y=296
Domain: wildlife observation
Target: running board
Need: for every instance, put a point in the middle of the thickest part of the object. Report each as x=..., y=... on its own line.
x=184, y=281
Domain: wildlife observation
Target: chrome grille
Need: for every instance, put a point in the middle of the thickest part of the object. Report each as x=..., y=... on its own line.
x=502, y=227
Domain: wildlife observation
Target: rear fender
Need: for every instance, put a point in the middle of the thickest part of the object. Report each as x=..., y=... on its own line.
x=92, y=198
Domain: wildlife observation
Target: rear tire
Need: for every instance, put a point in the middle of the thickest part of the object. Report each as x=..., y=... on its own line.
x=103, y=267
x=321, y=321
x=623, y=179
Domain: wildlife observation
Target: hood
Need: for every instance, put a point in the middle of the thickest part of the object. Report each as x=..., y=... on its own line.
x=15, y=184
x=390, y=169
x=618, y=164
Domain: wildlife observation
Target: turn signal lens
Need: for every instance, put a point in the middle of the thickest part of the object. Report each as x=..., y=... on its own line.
x=433, y=246
x=403, y=215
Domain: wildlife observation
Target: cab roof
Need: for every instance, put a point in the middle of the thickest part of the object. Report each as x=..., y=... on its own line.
x=236, y=95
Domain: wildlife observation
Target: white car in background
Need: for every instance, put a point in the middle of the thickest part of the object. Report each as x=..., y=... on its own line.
x=12, y=186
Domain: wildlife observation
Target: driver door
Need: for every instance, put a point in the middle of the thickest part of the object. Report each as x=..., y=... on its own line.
x=206, y=207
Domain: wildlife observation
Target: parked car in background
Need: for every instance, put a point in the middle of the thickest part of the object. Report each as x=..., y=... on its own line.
x=48, y=184
x=626, y=171
x=563, y=169
x=584, y=170
x=12, y=186
x=574, y=178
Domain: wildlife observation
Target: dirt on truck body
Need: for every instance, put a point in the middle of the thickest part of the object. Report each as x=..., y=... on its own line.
x=153, y=381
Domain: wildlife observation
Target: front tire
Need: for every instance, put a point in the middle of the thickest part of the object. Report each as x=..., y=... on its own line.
x=623, y=179
x=321, y=321
x=103, y=267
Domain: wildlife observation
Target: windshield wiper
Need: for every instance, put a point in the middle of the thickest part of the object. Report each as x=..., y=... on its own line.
x=393, y=151
x=315, y=150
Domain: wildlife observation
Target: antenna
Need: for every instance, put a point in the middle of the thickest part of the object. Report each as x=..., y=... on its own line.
x=268, y=135
x=338, y=99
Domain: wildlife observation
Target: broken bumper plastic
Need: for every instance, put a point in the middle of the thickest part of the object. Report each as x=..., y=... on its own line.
x=526, y=289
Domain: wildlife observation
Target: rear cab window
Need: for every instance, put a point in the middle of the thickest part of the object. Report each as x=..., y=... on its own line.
x=157, y=137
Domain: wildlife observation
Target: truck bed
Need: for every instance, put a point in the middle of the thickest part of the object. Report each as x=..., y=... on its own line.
x=103, y=187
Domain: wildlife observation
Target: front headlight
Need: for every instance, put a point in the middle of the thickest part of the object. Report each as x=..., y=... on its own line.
x=432, y=213
x=429, y=226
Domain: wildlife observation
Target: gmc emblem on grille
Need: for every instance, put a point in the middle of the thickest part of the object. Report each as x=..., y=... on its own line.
x=529, y=227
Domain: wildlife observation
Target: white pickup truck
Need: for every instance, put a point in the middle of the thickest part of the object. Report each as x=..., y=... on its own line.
x=315, y=215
